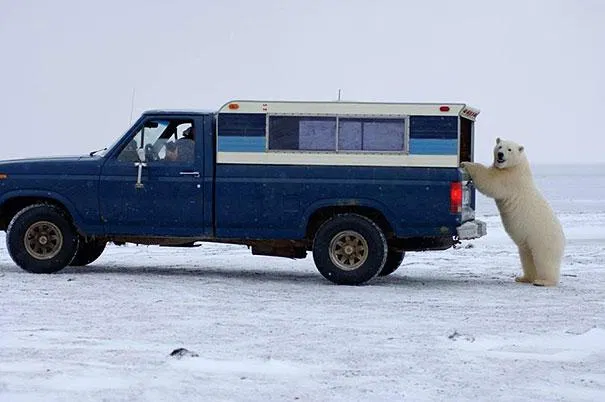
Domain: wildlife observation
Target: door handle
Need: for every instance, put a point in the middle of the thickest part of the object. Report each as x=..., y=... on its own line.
x=194, y=174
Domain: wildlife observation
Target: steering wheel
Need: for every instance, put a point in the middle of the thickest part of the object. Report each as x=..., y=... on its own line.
x=151, y=154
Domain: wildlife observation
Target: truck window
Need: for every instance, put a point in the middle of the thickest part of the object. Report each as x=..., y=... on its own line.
x=180, y=146
x=162, y=140
x=433, y=135
x=321, y=133
x=241, y=124
x=242, y=132
x=148, y=134
x=387, y=135
x=302, y=133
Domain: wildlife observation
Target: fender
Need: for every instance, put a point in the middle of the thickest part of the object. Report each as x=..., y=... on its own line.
x=49, y=195
x=347, y=202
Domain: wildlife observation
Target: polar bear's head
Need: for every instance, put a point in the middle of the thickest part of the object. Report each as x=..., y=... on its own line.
x=508, y=154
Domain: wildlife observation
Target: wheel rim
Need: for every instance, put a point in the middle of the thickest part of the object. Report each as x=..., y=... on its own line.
x=348, y=250
x=43, y=240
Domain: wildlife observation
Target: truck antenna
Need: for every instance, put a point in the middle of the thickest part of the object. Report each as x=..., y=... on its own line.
x=132, y=105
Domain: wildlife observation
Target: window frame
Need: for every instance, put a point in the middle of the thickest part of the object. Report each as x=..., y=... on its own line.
x=337, y=117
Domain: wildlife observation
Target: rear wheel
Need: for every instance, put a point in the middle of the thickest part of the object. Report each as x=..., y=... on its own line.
x=394, y=260
x=41, y=239
x=88, y=251
x=349, y=249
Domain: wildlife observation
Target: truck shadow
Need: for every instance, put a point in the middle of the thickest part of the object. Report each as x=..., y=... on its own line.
x=403, y=279
x=445, y=281
x=256, y=275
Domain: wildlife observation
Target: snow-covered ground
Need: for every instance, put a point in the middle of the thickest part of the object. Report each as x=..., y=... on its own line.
x=449, y=325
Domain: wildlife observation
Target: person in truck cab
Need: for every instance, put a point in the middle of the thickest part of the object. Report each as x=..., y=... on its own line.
x=181, y=150
x=171, y=152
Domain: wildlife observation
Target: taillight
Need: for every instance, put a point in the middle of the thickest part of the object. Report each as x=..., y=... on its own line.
x=456, y=197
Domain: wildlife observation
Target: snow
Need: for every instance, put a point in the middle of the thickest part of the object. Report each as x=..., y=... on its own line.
x=448, y=325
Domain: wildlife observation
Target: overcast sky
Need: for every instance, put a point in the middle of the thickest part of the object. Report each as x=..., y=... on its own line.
x=535, y=68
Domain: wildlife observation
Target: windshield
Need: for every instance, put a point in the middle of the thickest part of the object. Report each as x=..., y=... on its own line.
x=103, y=152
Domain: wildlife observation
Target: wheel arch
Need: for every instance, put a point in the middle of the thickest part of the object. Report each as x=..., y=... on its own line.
x=321, y=212
x=13, y=202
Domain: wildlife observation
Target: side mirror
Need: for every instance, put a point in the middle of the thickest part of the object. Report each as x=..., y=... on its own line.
x=141, y=154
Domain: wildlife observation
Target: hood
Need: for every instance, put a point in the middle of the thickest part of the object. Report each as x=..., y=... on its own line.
x=76, y=165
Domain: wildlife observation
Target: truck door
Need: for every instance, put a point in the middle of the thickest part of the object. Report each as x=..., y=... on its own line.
x=168, y=200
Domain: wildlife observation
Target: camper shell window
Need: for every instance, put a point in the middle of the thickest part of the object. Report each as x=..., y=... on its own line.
x=337, y=134
x=302, y=133
x=387, y=135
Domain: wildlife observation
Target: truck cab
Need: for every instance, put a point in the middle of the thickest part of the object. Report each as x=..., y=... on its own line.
x=159, y=177
x=357, y=184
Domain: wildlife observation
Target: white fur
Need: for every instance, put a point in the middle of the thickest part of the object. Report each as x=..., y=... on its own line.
x=526, y=215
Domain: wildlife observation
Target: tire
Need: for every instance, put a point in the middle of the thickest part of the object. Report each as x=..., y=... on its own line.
x=394, y=260
x=41, y=239
x=87, y=252
x=349, y=249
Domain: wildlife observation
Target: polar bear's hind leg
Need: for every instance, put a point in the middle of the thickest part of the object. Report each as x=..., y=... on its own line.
x=547, y=269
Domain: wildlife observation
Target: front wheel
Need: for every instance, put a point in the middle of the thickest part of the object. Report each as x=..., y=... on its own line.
x=41, y=239
x=349, y=249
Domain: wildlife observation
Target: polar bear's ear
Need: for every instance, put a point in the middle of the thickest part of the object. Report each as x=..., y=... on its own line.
x=521, y=148
x=498, y=140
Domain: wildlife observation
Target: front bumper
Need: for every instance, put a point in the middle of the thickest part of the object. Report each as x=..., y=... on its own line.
x=471, y=230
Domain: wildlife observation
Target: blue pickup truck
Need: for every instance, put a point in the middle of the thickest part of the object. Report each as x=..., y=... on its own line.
x=357, y=184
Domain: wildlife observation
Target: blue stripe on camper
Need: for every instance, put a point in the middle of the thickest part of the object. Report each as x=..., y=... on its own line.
x=241, y=144
x=424, y=146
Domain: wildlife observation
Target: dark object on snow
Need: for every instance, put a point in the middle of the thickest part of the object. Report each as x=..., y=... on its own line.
x=452, y=336
x=182, y=352
x=456, y=335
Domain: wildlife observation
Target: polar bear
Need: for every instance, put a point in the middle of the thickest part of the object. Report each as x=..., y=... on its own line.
x=526, y=215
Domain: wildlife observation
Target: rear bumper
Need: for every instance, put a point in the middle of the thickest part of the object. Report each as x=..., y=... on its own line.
x=471, y=230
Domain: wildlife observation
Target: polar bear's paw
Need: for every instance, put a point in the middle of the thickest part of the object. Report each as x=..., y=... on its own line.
x=544, y=282
x=523, y=279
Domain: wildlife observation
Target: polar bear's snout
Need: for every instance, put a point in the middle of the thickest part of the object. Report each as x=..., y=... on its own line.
x=500, y=159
